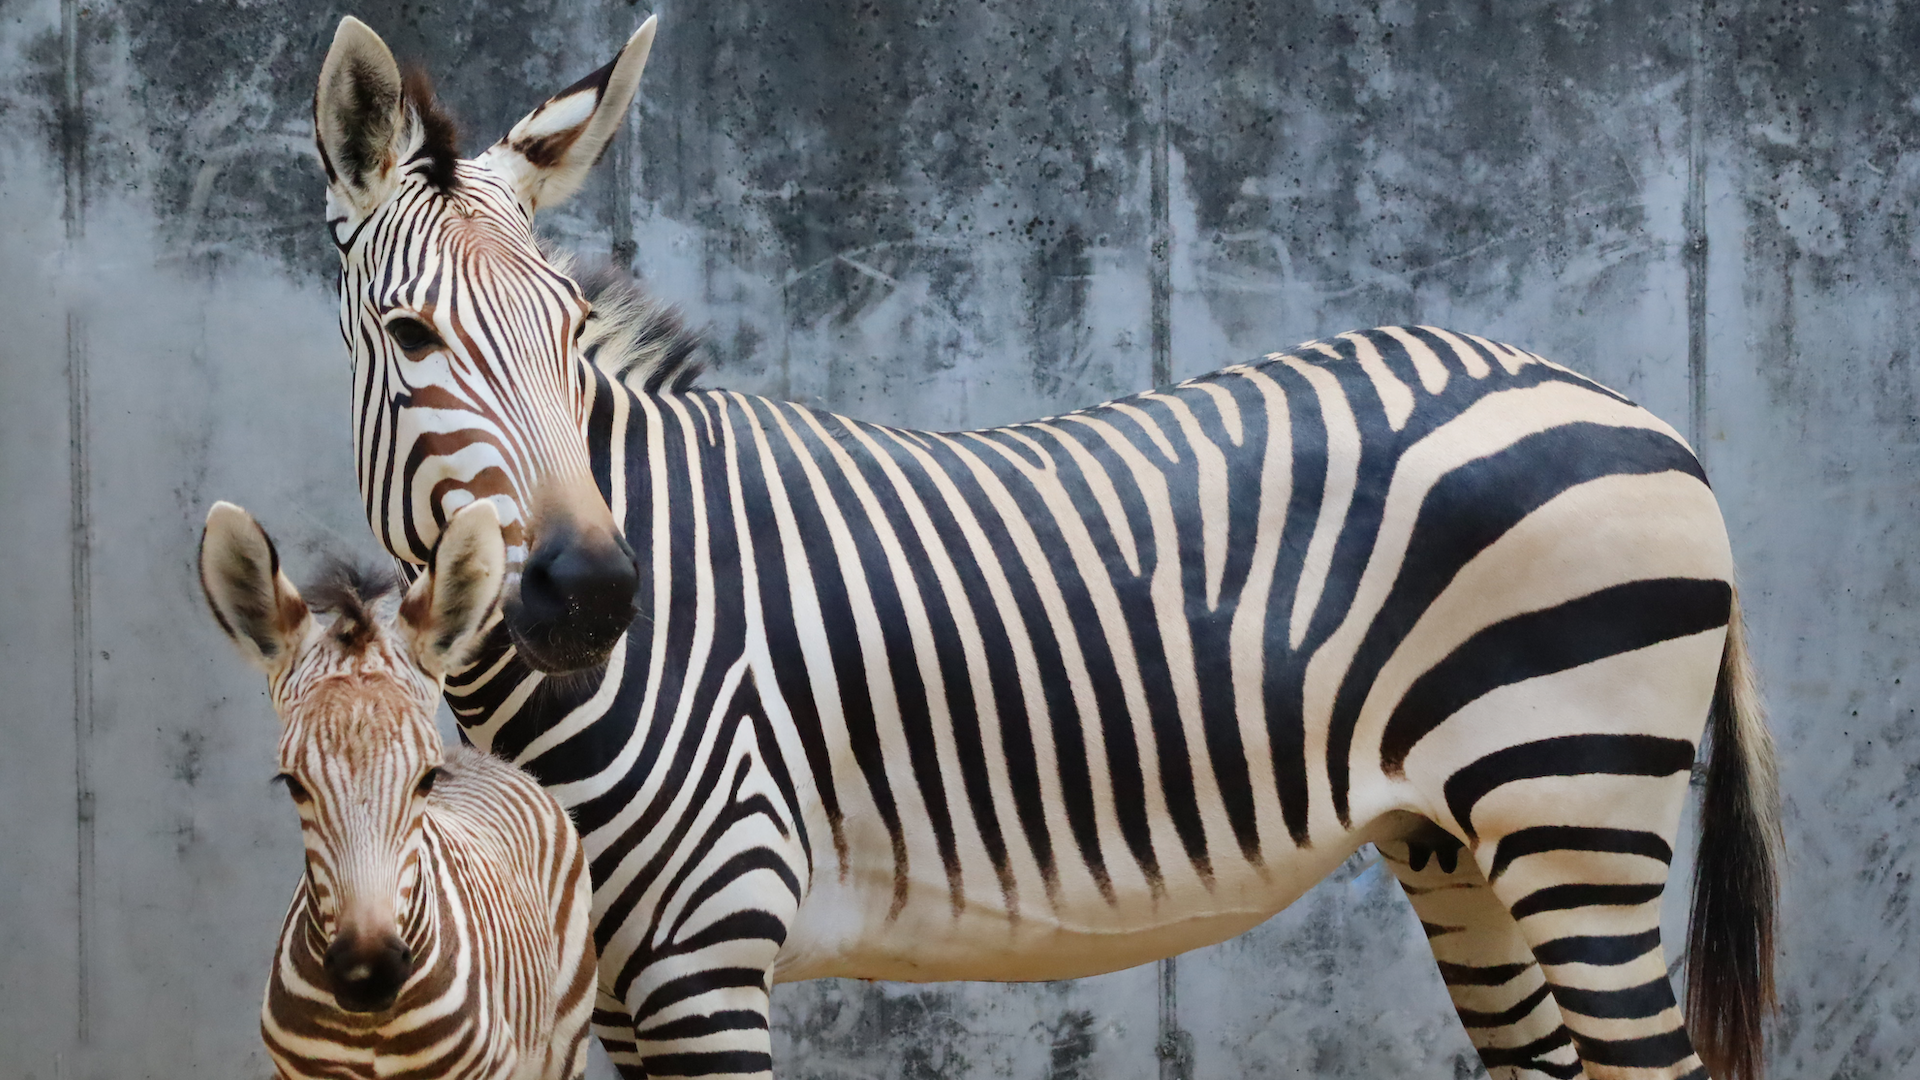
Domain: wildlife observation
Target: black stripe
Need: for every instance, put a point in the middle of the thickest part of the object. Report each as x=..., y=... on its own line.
x=1462, y=515
x=1474, y=1018
x=1380, y=448
x=1566, y=897
x=713, y=1023
x=692, y=985
x=1472, y=975
x=1600, y=950
x=1544, y=838
x=1567, y=755
x=709, y=1063
x=1633, y=1003
x=1285, y=668
x=1660, y=1051
x=1601, y=624
x=1528, y=1055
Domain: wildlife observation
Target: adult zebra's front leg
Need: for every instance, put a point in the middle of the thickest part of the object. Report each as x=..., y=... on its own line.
x=694, y=918
x=1497, y=987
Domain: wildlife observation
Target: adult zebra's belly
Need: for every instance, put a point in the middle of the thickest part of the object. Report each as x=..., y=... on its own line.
x=844, y=930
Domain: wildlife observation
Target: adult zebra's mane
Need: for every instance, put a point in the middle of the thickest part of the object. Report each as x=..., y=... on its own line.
x=435, y=135
x=630, y=335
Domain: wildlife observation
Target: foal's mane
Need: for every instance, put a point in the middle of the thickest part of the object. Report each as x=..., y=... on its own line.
x=349, y=589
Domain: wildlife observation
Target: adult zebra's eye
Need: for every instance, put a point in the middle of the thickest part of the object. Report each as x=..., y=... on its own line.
x=411, y=335
x=294, y=787
x=426, y=781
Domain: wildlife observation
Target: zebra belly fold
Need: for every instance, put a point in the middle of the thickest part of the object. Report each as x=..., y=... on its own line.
x=842, y=930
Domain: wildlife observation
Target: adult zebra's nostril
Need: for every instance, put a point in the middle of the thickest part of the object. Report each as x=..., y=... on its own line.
x=575, y=600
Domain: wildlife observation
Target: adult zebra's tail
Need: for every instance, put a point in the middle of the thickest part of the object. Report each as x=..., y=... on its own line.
x=1736, y=880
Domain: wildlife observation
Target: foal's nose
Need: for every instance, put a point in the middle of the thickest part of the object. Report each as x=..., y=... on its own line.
x=368, y=970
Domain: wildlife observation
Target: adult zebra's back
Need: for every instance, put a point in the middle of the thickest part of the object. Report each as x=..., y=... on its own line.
x=1060, y=697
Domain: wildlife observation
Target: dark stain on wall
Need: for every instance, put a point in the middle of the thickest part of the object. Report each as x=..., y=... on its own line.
x=903, y=1034
x=880, y=140
x=1463, y=147
x=1818, y=107
x=1072, y=1042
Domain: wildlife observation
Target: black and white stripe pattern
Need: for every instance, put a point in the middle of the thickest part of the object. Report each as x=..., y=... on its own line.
x=440, y=927
x=495, y=917
x=1062, y=697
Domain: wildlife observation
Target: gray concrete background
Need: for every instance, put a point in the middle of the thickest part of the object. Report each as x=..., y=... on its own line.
x=955, y=213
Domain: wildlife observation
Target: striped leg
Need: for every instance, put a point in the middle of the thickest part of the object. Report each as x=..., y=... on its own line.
x=1497, y=988
x=1587, y=899
x=692, y=1020
x=614, y=1028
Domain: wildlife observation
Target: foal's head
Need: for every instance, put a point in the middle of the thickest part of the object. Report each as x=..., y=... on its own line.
x=469, y=378
x=355, y=676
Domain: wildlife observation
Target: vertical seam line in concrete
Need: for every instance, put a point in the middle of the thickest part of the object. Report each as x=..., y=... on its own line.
x=1159, y=26
x=1160, y=285
x=1174, y=1047
x=73, y=152
x=1696, y=231
x=623, y=248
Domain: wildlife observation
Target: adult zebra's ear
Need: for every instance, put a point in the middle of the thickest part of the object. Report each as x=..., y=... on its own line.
x=448, y=608
x=547, y=154
x=254, y=602
x=359, y=122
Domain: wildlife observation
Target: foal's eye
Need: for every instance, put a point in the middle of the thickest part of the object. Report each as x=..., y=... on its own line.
x=294, y=787
x=426, y=781
x=411, y=334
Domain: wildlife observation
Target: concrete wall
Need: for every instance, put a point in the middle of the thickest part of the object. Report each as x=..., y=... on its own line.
x=946, y=213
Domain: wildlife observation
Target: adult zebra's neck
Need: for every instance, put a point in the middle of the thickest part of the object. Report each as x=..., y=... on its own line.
x=658, y=460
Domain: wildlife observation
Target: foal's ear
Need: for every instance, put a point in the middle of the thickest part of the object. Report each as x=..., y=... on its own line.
x=359, y=121
x=255, y=603
x=444, y=613
x=548, y=153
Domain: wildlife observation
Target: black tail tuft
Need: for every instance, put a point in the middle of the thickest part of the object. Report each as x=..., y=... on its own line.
x=1730, y=937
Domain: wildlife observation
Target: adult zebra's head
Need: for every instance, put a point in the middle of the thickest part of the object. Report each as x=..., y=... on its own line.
x=355, y=678
x=469, y=382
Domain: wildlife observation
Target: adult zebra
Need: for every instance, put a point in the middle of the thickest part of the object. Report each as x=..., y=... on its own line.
x=1063, y=697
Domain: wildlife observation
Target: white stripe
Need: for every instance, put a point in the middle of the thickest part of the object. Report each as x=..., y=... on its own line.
x=1343, y=472
x=1433, y=373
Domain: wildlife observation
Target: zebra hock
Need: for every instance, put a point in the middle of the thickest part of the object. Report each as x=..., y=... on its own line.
x=440, y=927
x=1058, y=698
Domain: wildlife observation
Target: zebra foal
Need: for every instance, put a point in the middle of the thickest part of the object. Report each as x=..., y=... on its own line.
x=440, y=927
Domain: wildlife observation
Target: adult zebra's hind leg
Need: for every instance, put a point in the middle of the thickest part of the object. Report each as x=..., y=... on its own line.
x=1587, y=899
x=1497, y=988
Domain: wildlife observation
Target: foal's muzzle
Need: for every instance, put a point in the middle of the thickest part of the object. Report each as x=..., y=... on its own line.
x=368, y=970
x=576, y=597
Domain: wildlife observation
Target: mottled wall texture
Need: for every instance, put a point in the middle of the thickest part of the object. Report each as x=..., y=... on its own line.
x=952, y=213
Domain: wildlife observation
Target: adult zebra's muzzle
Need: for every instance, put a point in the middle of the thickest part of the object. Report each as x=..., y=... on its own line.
x=367, y=971
x=576, y=596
